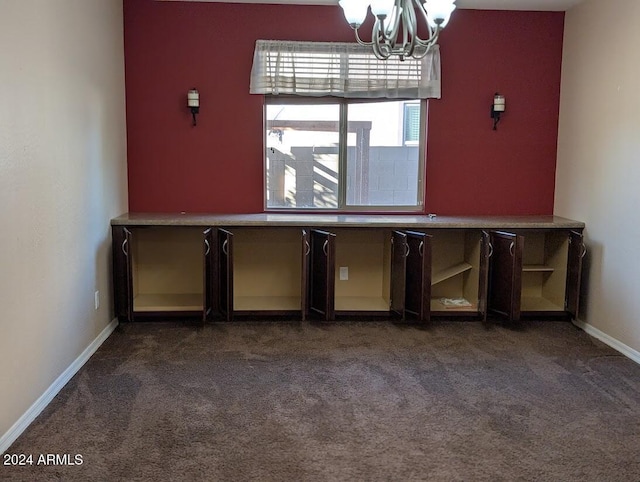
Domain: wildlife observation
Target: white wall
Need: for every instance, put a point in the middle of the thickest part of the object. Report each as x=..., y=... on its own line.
x=62, y=177
x=598, y=170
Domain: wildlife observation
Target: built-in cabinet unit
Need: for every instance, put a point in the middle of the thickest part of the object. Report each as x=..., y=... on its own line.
x=163, y=270
x=535, y=273
x=458, y=272
x=260, y=271
x=361, y=280
x=306, y=267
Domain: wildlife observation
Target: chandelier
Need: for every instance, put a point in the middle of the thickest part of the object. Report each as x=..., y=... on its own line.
x=395, y=30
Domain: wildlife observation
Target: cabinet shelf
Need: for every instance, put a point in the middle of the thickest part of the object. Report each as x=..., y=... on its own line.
x=266, y=303
x=537, y=268
x=450, y=272
x=437, y=305
x=539, y=303
x=168, y=302
x=361, y=303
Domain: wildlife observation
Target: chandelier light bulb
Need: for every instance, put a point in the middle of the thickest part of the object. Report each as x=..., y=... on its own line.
x=355, y=11
x=439, y=12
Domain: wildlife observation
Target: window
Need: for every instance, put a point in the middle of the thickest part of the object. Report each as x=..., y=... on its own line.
x=341, y=154
x=343, y=130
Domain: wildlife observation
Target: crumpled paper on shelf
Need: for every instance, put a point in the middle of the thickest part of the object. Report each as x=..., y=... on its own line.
x=455, y=302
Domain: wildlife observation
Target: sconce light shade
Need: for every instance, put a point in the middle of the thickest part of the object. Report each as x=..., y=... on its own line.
x=497, y=108
x=193, y=102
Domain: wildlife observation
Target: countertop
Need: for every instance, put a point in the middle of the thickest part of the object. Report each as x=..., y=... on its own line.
x=346, y=220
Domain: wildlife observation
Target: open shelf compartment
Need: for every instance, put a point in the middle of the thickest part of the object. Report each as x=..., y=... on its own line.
x=455, y=271
x=167, y=269
x=367, y=255
x=544, y=271
x=267, y=269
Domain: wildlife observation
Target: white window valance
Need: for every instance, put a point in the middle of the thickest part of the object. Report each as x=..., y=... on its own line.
x=341, y=70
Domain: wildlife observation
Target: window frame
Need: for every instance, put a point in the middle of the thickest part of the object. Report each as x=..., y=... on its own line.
x=342, y=156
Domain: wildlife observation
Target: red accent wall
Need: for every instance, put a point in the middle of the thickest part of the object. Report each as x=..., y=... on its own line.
x=217, y=166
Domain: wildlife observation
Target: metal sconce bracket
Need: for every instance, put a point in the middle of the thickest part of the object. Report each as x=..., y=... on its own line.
x=193, y=102
x=497, y=109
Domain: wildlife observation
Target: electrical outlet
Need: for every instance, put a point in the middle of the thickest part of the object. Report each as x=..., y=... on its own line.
x=96, y=299
x=344, y=273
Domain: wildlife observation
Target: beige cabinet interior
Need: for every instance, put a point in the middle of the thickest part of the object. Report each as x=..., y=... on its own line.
x=267, y=269
x=455, y=272
x=167, y=269
x=544, y=271
x=366, y=254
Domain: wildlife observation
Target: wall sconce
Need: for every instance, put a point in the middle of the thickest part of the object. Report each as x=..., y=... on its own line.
x=497, y=108
x=193, y=102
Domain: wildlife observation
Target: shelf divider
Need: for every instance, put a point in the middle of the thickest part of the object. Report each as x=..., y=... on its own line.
x=450, y=272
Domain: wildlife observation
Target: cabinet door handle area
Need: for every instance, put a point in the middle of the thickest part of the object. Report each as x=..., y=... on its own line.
x=421, y=249
x=407, y=249
x=225, y=246
x=324, y=247
x=208, y=250
x=124, y=247
x=584, y=250
x=490, y=250
x=307, y=248
x=511, y=246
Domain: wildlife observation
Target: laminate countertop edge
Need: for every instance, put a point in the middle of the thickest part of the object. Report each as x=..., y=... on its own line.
x=347, y=221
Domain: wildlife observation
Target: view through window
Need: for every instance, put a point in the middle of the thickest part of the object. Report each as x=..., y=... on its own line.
x=343, y=155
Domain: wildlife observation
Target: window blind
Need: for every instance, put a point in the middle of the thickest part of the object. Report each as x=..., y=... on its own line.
x=345, y=70
x=411, y=123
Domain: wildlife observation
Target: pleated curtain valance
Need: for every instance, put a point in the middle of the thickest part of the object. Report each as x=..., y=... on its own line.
x=341, y=70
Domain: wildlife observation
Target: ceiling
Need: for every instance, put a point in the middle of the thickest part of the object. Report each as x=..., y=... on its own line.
x=558, y=5
x=517, y=4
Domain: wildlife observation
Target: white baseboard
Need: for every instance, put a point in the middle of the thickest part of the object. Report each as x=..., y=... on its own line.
x=30, y=415
x=609, y=340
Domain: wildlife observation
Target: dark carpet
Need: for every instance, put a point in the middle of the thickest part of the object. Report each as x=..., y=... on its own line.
x=349, y=401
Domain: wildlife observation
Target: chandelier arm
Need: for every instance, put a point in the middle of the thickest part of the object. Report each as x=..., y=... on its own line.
x=431, y=41
x=381, y=30
x=360, y=41
x=411, y=31
x=375, y=41
x=395, y=21
x=382, y=51
x=405, y=27
x=423, y=50
x=433, y=32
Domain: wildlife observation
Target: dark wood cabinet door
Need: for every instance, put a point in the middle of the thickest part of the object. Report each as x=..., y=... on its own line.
x=505, y=275
x=399, y=250
x=322, y=273
x=304, y=272
x=208, y=274
x=486, y=252
x=122, y=275
x=225, y=273
x=418, y=295
x=577, y=251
